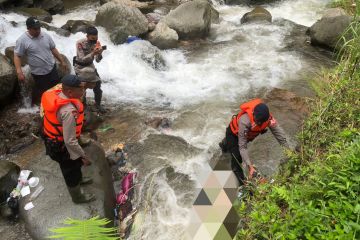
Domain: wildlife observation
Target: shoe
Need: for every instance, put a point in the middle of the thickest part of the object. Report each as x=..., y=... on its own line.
x=86, y=180
x=100, y=109
x=78, y=196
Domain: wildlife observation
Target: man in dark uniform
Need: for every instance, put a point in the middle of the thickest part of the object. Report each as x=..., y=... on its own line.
x=62, y=125
x=88, y=49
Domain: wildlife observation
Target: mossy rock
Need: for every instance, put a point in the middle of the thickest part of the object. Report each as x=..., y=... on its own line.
x=40, y=14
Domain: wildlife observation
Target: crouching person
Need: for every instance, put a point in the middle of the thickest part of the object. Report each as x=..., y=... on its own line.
x=63, y=121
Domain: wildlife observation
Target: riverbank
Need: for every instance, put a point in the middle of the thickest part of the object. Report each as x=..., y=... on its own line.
x=316, y=194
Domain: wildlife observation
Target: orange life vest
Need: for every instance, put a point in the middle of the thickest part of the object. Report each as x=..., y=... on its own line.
x=52, y=102
x=248, y=108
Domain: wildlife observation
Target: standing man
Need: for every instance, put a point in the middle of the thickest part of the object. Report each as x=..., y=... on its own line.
x=40, y=50
x=88, y=49
x=253, y=119
x=63, y=121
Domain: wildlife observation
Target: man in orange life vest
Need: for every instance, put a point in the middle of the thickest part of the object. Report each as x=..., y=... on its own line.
x=63, y=121
x=253, y=119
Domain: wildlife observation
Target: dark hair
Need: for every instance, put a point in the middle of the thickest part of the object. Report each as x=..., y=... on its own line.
x=91, y=31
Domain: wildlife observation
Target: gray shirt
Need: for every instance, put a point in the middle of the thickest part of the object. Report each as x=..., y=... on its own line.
x=244, y=128
x=67, y=117
x=38, y=52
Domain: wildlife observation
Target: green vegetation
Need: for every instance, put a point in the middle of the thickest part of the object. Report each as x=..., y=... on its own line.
x=348, y=5
x=316, y=194
x=91, y=229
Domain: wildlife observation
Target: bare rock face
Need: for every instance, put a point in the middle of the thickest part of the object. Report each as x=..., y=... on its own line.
x=191, y=19
x=258, y=14
x=52, y=6
x=121, y=21
x=163, y=37
x=328, y=30
x=8, y=79
x=39, y=13
x=54, y=204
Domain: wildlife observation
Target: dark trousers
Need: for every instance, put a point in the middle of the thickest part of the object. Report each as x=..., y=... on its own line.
x=97, y=93
x=231, y=142
x=70, y=169
x=44, y=82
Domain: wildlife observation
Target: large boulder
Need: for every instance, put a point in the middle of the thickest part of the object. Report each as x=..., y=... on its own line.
x=190, y=20
x=9, y=53
x=75, y=26
x=328, y=30
x=7, y=80
x=54, y=204
x=149, y=54
x=258, y=14
x=40, y=14
x=52, y=6
x=8, y=178
x=121, y=21
x=163, y=37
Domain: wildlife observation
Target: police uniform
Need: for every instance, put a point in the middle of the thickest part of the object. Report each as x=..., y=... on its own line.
x=242, y=130
x=62, y=125
x=84, y=59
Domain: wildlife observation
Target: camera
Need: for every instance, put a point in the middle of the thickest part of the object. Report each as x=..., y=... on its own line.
x=103, y=47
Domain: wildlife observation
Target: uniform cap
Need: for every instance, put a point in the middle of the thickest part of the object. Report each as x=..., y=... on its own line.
x=71, y=80
x=261, y=113
x=32, y=22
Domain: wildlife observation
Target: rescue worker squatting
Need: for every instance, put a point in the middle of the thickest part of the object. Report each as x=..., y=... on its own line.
x=253, y=119
x=62, y=126
x=88, y=49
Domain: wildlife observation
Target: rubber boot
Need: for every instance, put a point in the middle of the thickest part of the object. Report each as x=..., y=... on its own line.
x=78, y=196
x=86, y=180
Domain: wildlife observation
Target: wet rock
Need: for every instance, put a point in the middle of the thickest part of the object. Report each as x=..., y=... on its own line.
x=40, y=14
x=163, y=37
x=9, y=173
x=258, y=14
x=121, y=21
x=21, y=143
x=60, y=70
x=59, y=31
x=190, y=20
x=75, y=26
x=9, y=53
x=149, y=54
x=297, y=40
x=52, y=6
x=158, y=122
x=248, y=2
x=214, y=15
x=328, y=30
x=54, y=204
x=8, y=80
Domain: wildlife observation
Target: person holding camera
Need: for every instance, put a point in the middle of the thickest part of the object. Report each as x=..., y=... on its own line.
x=88, y=49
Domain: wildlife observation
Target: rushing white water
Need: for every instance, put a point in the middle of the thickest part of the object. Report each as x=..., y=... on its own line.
x=199, y=89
